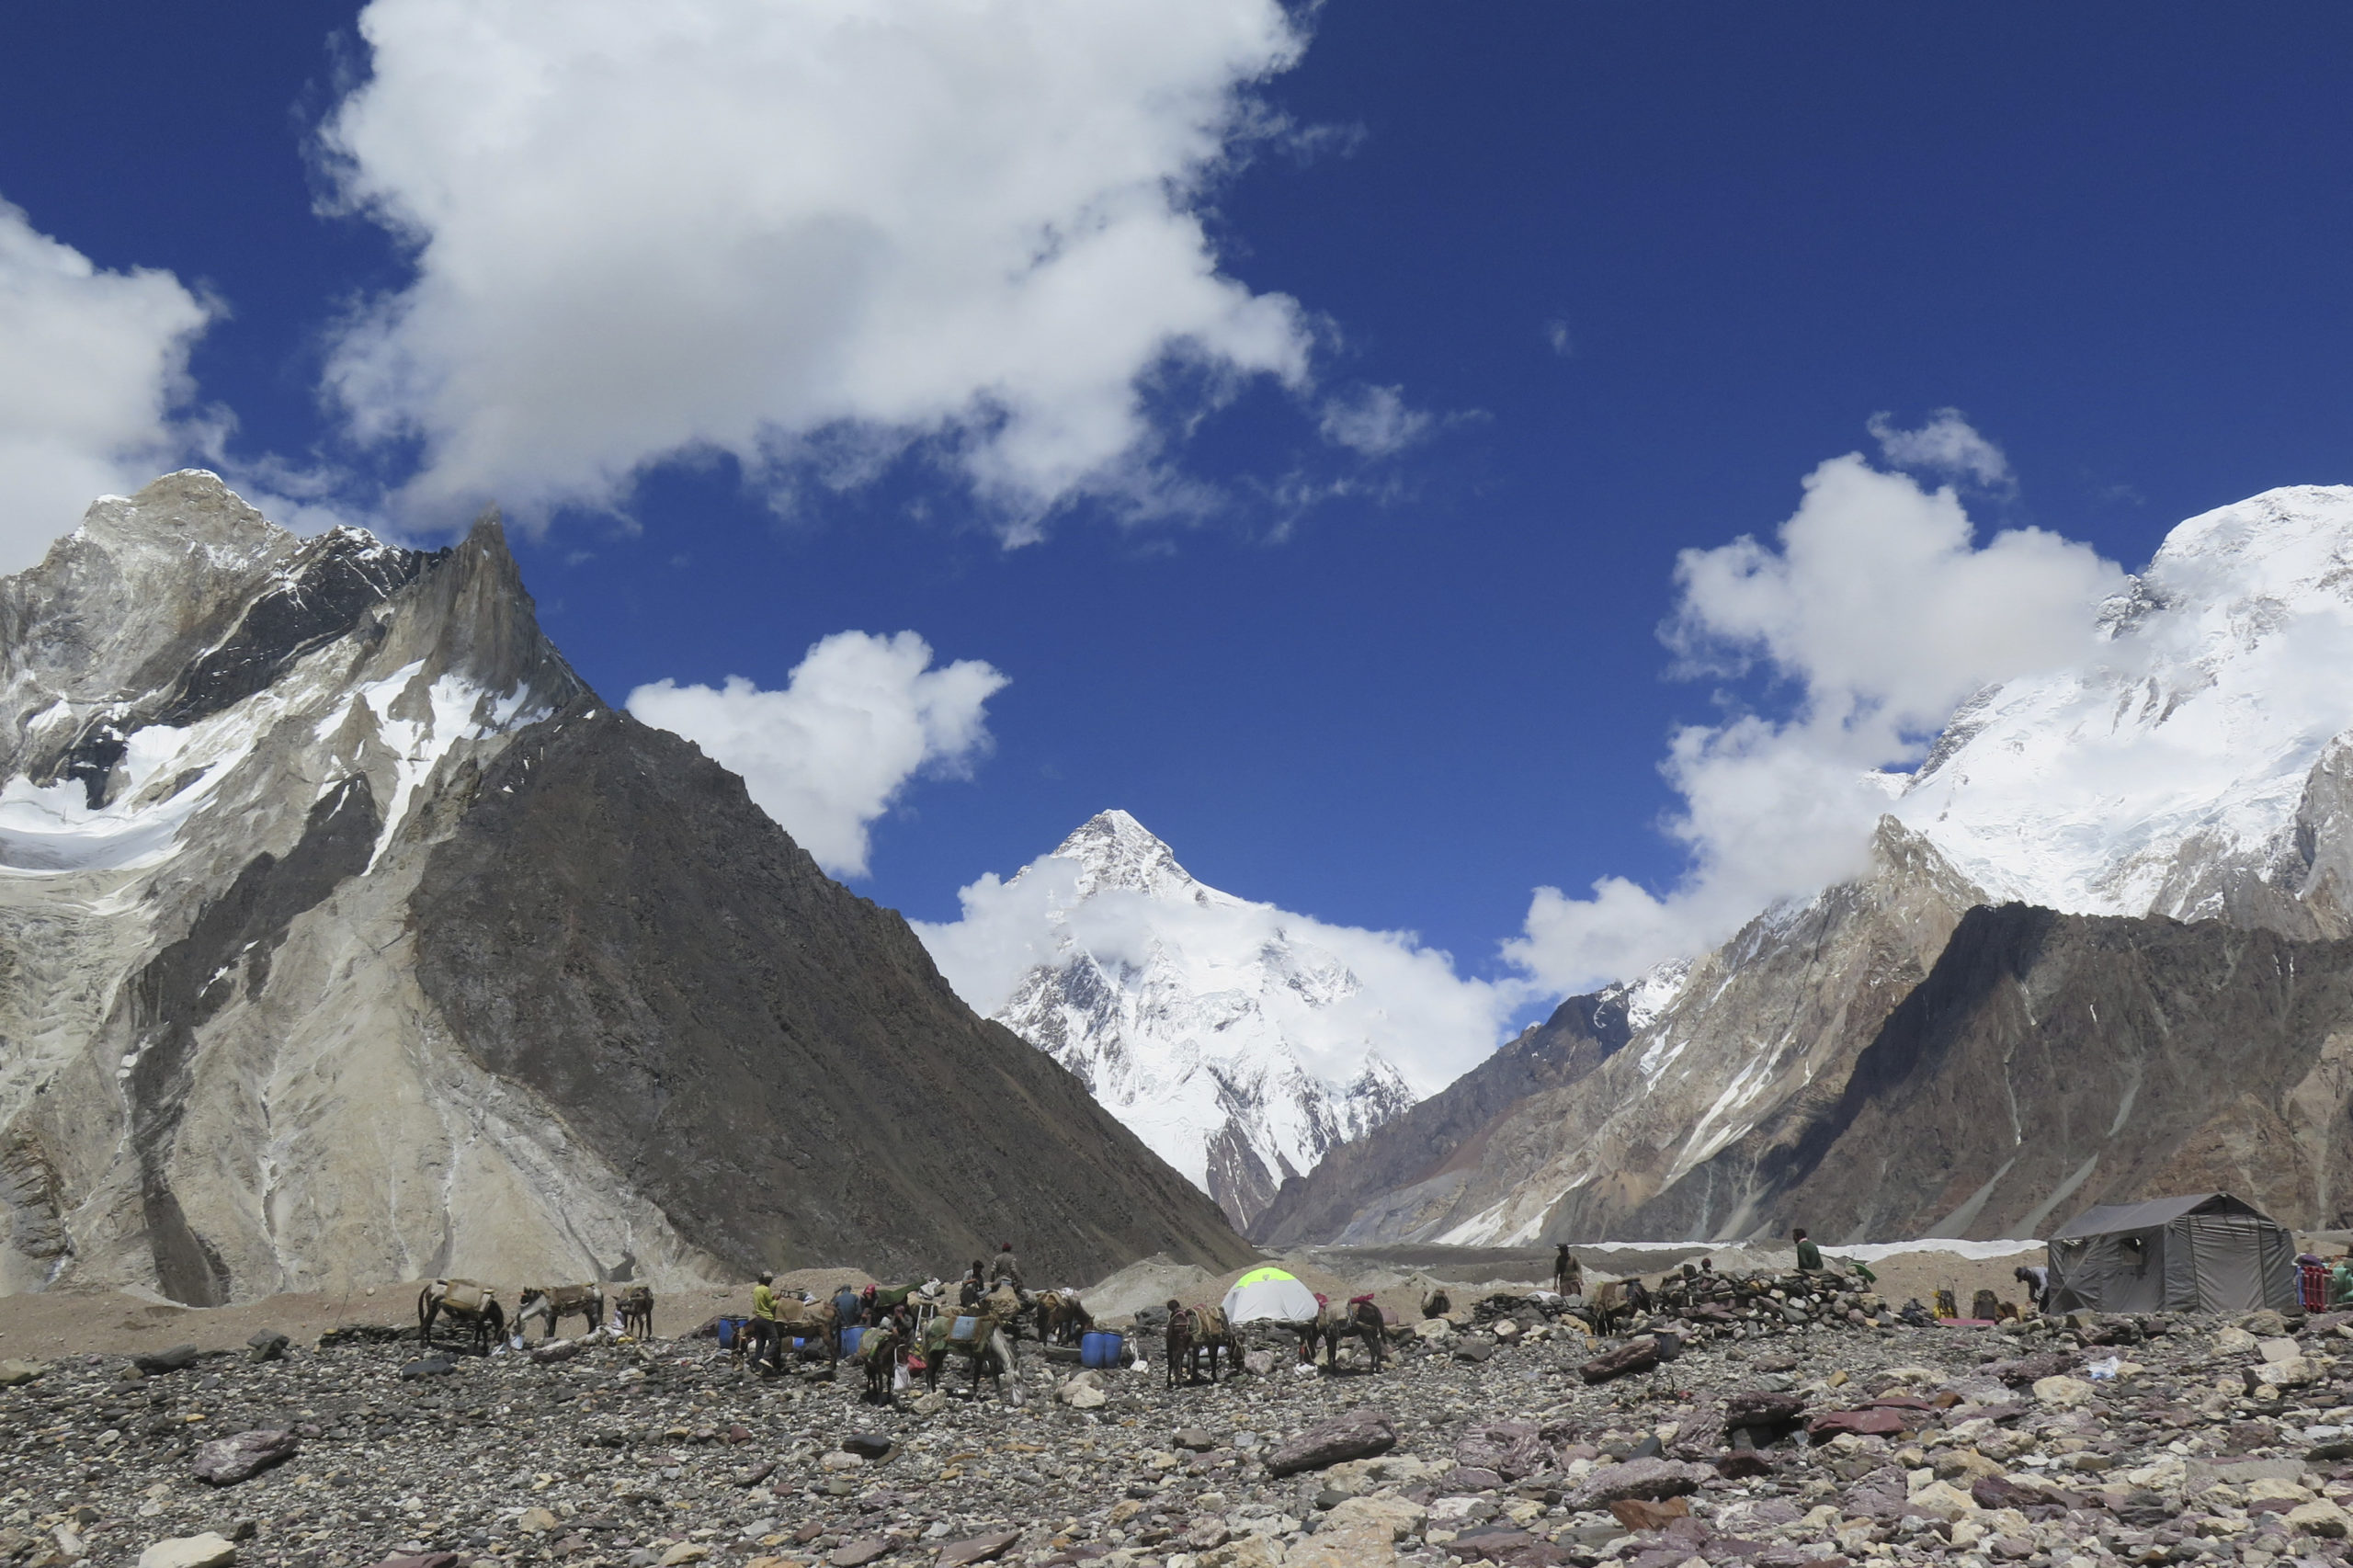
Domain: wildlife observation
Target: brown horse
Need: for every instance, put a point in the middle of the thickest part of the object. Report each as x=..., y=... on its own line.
x=553, y=1303
x=635, y=1306
x=1332, y=1324
x=465, y=1302
x=1062, y=1317
x=1616, y=1305
x=1192, y=1330
x=804, y=1320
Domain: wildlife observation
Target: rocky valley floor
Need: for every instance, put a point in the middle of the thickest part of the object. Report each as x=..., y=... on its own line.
x=2141, y=1440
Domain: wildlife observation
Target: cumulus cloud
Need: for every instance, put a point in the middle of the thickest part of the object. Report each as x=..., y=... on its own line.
x=1409, y=1005
x=859, y=717
x=1878, y=608
x=1947, y=444
x=93, y=378
x=1372, y=422
x=799, y=234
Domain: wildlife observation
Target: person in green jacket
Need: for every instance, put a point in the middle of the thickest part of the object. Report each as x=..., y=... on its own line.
x=767, y=1336
x=2340, y=1283
x=1809, y=1254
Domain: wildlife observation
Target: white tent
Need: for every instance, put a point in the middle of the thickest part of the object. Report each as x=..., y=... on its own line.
x=1269, y=1295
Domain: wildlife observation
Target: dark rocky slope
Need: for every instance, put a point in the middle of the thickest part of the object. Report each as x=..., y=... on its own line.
x=771, y=1059
x=1420, y=1157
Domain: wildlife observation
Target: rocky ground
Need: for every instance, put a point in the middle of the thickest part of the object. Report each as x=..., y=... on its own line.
x=1763, y=1440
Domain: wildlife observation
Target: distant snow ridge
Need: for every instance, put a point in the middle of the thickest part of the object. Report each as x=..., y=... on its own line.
x=1195, y=1016
x=2174, y=772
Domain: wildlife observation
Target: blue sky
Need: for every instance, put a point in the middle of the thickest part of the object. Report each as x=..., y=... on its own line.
x=1629, y=273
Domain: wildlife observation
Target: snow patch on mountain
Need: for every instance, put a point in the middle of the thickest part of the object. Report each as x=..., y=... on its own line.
x=1238, y=1041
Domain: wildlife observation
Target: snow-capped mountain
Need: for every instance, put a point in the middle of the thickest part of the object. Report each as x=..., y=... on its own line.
x=2004, y=1019
x=1209, y=1024
x=2166, y=774
x=347, y=936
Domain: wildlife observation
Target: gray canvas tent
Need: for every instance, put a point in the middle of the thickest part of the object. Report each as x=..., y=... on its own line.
x=2208, y=1252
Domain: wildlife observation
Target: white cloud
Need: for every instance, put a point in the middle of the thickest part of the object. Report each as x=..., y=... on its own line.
x=93, y=368
x=1878, y=604
x=1411, y=1007
x=1946, y=445
x=784, y=230
x=861, y=716
x=1372, y=422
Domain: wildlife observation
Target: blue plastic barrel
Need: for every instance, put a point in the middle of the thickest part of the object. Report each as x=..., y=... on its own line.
x=850, y=1336
x=1100, y=1350
x=730, y=1330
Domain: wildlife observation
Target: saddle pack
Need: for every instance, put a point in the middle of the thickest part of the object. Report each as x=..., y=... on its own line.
x=465, y=1296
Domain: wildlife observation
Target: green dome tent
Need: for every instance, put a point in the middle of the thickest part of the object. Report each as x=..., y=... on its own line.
x=1266, y=1295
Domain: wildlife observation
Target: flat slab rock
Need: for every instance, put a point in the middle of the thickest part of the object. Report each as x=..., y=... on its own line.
x=1359, y=1434
x=856, y=1553
x=210, y=1550
x=225, y=1461
x=1653, y=1481
x=979, y=1548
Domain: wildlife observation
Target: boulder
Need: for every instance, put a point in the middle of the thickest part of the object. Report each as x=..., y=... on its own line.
x=209, y=1550
x=869, y=1445
x=1354, y=1435
x=2062, y=1393
x=975, y=1549
x=1871, y=1421
x=1259, y=1363
x=1634, y=1355
x=429, y=1366
x=1653, y=1481
x=1082, y=1396
x=1196, y=1439
x=225, y=1461
x=858, y=1553
x=535, y=1521
x=15, y=1374
x=267, y=1345
x=1400, y=1517
x=178, y=1358
x=1636, y=1514
x=2320, y=1517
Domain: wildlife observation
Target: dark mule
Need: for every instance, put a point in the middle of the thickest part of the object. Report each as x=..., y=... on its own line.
x=635, y=1305
x=1616, y=1305
x=468, y=1302
x=1191, y=1331
x=1062, y=1317
x=882, y=1351
x=983, y=1344
x=1332, y=1324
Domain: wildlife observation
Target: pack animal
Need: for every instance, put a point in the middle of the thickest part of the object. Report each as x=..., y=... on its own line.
x=1193, y=1331
x=1617, y=1304
x=978, y=1339
x=814, y=1323
x=552, y=1305
x=635, y=1307
x=1361, y=1320
x=880, y=1351
x=467, y=1303
x=1062, y=1317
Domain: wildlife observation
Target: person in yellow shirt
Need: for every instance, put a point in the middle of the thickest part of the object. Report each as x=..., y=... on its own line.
x=767, y=1334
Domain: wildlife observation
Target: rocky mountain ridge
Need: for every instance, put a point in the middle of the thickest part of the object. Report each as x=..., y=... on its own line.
x=335, y=947
x=2105, y=893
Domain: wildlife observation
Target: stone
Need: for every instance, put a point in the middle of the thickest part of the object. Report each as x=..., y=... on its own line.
x=685, y=1552
x=178, y=1358
x=1342, y=1548
x=871, y=1447
x=975, y=1549
x=1400, y=1517
x=2233, y=1341
x=1942, y=1499
x=1474, y=1350
x=2320, y=1517
x=838, y=1461
x=267, y=1345
x=2063, y=1393
x=210, y=1550
x=1869, y=1422
x=1637, y=1514
x=15, y=1374
x=225, y=1461
x=1651, y=1480
x=1250, y=1551
x=423, y=1560
x=1259, y=1363
x=2277, y=1350
x=1634, y=1355
x=1355, y=1435
x=1433, y=1329
x=429, y=1366
x=1082, y=1396
x=858, y=1552
x=535, y=1521
x=1196, y=1439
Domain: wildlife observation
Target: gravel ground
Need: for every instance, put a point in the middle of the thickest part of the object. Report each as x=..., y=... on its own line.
x=2220, y=1441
